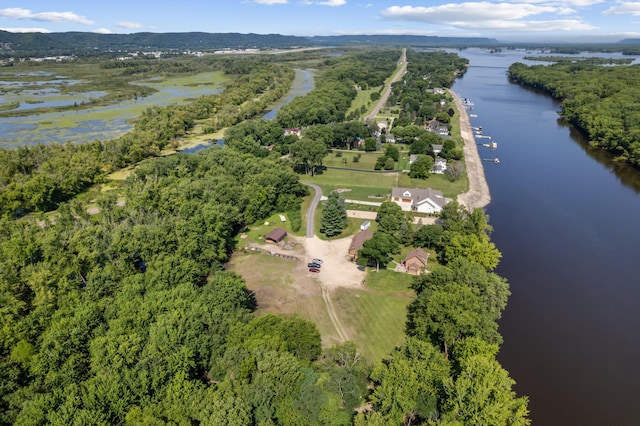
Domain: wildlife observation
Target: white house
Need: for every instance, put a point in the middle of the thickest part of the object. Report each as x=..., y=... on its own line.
x=293, y=131
x=419, y=200
x=439, y=166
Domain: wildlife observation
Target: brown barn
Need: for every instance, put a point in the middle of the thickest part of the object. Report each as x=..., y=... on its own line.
x=416, y=261
x=275, y=236
x=357, y=242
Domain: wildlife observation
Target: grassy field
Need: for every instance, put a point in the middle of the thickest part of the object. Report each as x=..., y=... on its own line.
x=283, y=286
x=367, y=159
x=353, y=225
x=257, y=231
x=365, y=186
x=361, y=185
x=375, y=316
x=363, y=99
x=436, y=181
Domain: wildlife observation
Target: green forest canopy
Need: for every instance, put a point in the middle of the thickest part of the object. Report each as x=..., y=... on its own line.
x=128, y=316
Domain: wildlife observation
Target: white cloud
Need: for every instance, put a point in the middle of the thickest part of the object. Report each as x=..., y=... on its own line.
x=559, y=3
x=19, y=13
x=271, y=1
x=624, y=8
x=331, y=3
x=26, y=30
x=489, y=16
x=102, y=31
x=465, y=12
x=129, y=25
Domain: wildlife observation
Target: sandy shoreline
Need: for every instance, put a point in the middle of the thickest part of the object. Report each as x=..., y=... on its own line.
x=478, y=195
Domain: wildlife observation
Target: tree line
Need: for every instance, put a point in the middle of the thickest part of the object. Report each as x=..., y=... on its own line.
x=602, y=101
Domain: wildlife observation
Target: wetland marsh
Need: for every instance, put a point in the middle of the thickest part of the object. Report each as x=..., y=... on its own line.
x=71, y=103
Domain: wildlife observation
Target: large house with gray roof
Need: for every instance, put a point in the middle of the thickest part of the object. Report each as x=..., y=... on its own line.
x=419, y=200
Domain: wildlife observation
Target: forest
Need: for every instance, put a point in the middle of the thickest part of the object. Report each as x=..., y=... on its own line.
x=128, y=316
x=38, y=178
x=601, y=101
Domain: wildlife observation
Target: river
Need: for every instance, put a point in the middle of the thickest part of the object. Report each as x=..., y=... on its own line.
x=567, y=222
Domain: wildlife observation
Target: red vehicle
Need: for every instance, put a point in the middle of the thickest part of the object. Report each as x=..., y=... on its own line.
x=314, y=270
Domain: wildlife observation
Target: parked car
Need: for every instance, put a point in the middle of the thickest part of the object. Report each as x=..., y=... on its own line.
x=314, y=269
x=317, y=261
x=314, y=265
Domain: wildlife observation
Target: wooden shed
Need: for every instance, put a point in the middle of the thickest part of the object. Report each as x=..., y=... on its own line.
x=276, y=235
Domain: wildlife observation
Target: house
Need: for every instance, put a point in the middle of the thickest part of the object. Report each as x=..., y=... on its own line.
x=412, y=158
x=275, y=236
x=358, y=142
x=435, y=126
x=436, y=148
x=419, y=200
x=432, y=125
x=293, y=131
x=415, y=261
x=357, y=242
x=439, y=166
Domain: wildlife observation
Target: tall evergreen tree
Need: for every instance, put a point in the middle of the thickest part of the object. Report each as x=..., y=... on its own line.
x=334, y=216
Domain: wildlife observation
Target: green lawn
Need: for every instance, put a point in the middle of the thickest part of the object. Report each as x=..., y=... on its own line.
x=375, y=316
x=361, y=185
x=363, y=98
x=367, y=159
x=258, y=230
x=353, y=225
x=365, y=186
x=435, y=181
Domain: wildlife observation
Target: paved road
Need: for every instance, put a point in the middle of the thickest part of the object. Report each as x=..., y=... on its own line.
x=387, y=92
x=312, y=209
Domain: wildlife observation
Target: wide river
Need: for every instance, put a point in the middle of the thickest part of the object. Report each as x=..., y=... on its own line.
x=567, y=221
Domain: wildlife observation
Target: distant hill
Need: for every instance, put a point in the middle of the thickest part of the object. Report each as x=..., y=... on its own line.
x=405, y=40
x=84, y=42
x=630, y=41
x=78, y=42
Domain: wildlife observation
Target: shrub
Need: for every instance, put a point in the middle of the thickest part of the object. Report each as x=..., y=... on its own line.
x=295, y=219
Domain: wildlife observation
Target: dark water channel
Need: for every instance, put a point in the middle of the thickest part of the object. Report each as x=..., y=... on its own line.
x=567, y=221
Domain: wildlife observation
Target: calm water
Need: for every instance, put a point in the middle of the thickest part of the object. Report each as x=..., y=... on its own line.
x=567, y=221
x=302, y=84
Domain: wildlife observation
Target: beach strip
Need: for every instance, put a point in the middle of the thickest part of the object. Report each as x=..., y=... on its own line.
x=478, y=195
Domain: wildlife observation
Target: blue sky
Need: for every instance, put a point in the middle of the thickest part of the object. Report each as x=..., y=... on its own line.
x=511, y=20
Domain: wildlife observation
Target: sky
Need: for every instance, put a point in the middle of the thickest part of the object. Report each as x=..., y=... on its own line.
x=504, y=20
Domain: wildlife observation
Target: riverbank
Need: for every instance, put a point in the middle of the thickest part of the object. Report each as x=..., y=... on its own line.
x=478, y=195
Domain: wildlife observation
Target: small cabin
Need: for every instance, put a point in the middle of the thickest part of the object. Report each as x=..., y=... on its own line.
x=275, y=236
